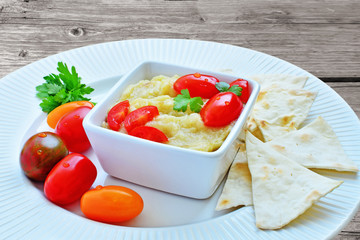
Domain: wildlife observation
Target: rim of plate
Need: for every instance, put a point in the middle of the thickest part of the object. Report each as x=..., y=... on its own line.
x=25, y=206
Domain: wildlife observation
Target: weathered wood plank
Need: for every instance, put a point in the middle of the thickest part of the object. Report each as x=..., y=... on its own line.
x=40, y=41
x=350, y=92
x=317, y=38
x=351, y=231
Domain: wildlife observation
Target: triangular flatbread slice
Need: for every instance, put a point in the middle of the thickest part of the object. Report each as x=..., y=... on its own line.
x=237, y=188
x=283, y=81
x=314, y=146
x=282, y=188
x=278, y=111
x=252, y=126
x=273, y=81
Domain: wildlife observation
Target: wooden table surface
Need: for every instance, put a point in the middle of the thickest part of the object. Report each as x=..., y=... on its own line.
x=320, y=36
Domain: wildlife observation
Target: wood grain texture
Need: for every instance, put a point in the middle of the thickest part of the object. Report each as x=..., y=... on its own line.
x=350, y=92
x=320, y=36
x=314, y=35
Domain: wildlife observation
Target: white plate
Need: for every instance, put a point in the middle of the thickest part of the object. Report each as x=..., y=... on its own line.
x=27, y=214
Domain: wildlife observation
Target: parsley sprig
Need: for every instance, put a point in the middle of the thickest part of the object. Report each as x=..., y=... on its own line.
x=225, y=87
x=62, y=88
x=183, y=100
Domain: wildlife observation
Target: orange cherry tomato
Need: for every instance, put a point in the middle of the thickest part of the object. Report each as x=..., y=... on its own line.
x=111, y=204
x=55, y=115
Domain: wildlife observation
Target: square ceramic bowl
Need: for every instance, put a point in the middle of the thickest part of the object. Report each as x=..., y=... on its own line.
x=176, y=170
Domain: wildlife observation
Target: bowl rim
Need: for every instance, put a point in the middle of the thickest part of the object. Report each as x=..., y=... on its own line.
x=230, y=138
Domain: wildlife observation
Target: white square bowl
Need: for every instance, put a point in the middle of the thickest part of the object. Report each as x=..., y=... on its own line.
x=172, y=169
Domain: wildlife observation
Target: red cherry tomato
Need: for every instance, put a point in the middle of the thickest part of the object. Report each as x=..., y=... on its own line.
x=221, y=109
x=198, y=85
x=245, y=89
x=149, y=133
x=140, y=117
x=117, y=115
x=40, y=153
x=55, y=115
x=70, y=179
x=71, y=130
x=111, y=204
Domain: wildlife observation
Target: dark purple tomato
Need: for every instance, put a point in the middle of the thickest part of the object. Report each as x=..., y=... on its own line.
x=40, y=154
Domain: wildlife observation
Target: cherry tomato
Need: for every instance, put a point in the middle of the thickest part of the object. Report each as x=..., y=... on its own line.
x=71, y=130
x=140, y=117
x=40, y=153
x=111, y=204
x=70, y=179
x=117, y=115
x=55, y=115
x=149, y=133
x=199, y=85
x=221, y=109
x=245, y=89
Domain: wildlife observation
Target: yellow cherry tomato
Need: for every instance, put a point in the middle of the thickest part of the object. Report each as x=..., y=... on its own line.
x=55, y=115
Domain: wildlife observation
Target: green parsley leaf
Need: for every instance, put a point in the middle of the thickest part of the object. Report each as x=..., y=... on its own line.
x=42, y=95
x=62, y=88
x=235, y=89
x=182, y=101
x=222, y=86
x=62, y=96
x=42, y=91
x=196, y=104
x=53, y=79
x=53, y=88
x=85, y=89
x=71, y=80
x=225, y=87
x=48, y=104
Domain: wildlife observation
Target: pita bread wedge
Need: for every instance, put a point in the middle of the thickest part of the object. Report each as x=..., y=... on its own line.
x=273, y=81
x=237, y=188
x=282, y=188
x=283, y=81
x=278, y=111
x=314, y=146
x=252, y=126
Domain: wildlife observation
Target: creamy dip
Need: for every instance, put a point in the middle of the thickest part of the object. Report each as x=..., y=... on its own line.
x=183, y=129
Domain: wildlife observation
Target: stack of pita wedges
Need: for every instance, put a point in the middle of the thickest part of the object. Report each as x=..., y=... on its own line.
x=271, y=170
